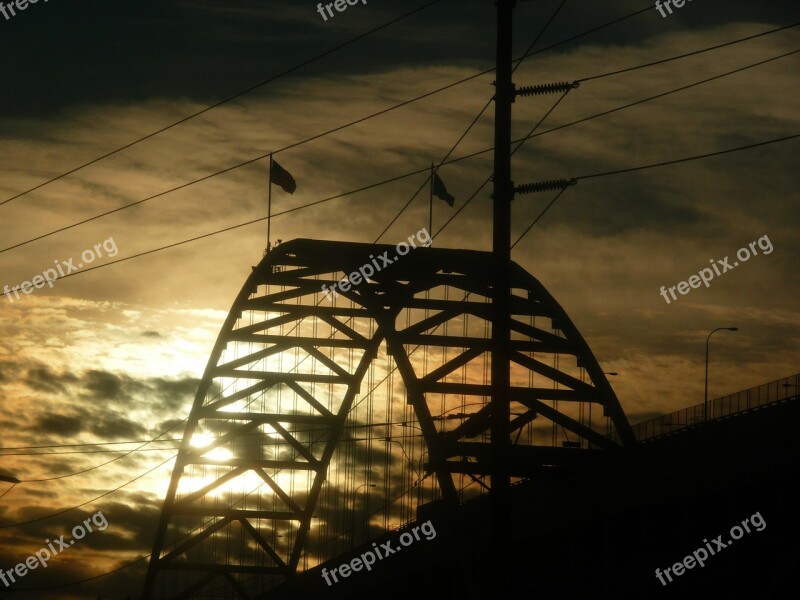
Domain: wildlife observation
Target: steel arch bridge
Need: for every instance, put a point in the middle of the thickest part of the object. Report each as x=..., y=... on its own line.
x=324, y=421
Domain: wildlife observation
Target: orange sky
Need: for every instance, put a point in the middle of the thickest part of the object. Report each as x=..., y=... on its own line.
x=115, y=354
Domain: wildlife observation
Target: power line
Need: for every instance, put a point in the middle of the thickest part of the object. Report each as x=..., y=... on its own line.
x=103, y=495
x=63, y=585
x=688, y=54
x=514, y=151
x=4, y=448
x=228, y=99
x=397, y=106
x=250, y=161
x=474, y=76
x=595, y=29
x=391, y=180
x=164, y=440
x=13, y=485
x=474, y=121
x=317, y=136
x=243, y=164
x=84, y=452
x=538, y=218
x=690, y=158
x=418, y=171
x=139, y=449
x=643, y=100
x=653, y=166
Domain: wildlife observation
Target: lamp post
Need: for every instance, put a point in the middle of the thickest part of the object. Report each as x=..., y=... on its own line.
x=705, y=395
x=353, y=522
x=407, y=424
x=389, y=440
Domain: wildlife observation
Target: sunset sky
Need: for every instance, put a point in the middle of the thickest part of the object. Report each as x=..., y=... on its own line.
x=115, y=354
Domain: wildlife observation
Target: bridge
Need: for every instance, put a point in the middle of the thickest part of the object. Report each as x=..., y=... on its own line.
x=325, y=427
x=447, y=391
x=322, y=422
x=737, y=404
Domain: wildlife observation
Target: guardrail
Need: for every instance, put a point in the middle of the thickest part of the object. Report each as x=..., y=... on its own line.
x=738, y=402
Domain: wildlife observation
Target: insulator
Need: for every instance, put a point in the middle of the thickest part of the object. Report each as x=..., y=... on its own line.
x=544, y=186
x=547, y=88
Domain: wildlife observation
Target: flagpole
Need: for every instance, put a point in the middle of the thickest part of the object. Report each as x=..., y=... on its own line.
x=269, y=202
x=430, y=213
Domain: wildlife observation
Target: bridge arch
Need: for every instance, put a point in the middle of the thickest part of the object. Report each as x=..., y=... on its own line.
x=272, y=473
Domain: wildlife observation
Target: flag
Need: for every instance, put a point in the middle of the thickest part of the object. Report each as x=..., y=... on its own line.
x=440, y=191
x=282, y=177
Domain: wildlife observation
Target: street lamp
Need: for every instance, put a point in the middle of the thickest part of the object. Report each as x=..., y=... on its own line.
x=408, y=458
x=612, y=373
x=9, y=479
x=407, y=424
x=705, y=395
x=353, y=522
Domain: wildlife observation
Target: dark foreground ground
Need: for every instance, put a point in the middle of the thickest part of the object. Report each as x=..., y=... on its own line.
x=601, y=530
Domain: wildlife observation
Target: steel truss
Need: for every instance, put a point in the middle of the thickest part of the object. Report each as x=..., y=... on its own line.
x=289, y=364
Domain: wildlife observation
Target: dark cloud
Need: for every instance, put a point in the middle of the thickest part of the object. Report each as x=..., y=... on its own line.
x=103, y=393
x=105, y=424
x=171, y=394
x=174, y=393
x=207, y=51
x=64, y=425
x=9, y=370
x=44, y=380
x=107, y=386
x=115, y=427
x=603, y=250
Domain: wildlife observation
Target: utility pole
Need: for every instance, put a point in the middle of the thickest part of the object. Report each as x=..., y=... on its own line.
x=501, y=326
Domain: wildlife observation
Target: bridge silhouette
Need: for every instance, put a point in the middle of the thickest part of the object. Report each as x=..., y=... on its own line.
x=450, y=391
x=324, y=426
x=322, y=423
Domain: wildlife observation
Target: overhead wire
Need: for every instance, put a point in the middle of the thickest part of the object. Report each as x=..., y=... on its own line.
x=267, y=154
x=690, y=158
x=11, y=487
x=240, y=225
x=3, y=448
x=378, y=184
x=688, y=54
x=658, y=96
x=103, y=495
x=448, y=154
x=653, y=166
x=127, y=453
x=607, y=173
x=88, y=579
x=539, y=217
x=747, y=147
x=228, y=99
x=404, y=103
x=474, y=121
x=488, y=179
x=62, y=452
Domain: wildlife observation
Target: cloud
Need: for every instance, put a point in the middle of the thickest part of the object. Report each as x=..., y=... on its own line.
x=117, y=353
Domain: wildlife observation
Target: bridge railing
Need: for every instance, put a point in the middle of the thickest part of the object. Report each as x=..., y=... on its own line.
x=768, y=393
